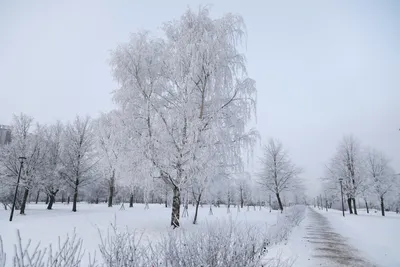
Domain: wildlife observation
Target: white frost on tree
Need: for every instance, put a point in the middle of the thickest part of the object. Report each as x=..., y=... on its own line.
x=381, y=176
x=78, y=156
x=186, y=95
x=278, y=173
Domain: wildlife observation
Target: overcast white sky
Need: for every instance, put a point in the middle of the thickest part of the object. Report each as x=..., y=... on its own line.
x=323, y=68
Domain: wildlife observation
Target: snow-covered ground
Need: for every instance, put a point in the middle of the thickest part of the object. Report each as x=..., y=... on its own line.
x=375, y=236
x=44, y=226
x=376, y=240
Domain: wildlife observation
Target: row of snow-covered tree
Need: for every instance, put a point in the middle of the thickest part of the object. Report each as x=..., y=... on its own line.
x=367, y=176
x=89, y=160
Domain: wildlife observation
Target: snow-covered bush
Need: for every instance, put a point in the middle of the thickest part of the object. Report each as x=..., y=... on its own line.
x=286, y=222
x=217, y=244
x=212, y=245
x=69, y=253
x=123, y=249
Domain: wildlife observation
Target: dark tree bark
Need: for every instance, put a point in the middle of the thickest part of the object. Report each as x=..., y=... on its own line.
x=197, y=208
x=62, y=197
x=131, y=201
x=24, y=199
x=52, y=195
x=68, y=199
x=241, y=198
x=37, y=197
x=354, y=206
x=366, y=205
x=349, y=204
x=75, y=199
x=279, y=202
x=176, y=205
x=382, y=207
x=97, y=200
x=111, y=189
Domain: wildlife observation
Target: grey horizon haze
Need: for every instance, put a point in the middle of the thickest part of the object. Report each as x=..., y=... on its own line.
x=324, y=69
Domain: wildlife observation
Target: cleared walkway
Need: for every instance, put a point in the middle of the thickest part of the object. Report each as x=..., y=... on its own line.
x=329, y=246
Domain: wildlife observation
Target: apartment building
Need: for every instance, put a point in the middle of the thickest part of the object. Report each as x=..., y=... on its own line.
x=5, y=134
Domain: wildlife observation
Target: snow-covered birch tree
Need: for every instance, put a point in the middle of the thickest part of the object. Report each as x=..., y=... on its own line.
x=185, y=95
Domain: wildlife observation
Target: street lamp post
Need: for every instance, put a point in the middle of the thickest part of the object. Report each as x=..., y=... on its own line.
x=21, y=160
x=341, y=192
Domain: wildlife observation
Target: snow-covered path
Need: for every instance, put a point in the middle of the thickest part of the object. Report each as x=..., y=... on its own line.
x=329, y=247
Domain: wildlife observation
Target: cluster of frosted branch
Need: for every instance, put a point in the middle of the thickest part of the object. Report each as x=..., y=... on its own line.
x=69, y=253
x=217, y=244
x=285, y=224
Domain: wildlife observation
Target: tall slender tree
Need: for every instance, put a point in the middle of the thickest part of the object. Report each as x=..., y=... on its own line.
x=78, y=156
x=278, y=173
x=381, y=176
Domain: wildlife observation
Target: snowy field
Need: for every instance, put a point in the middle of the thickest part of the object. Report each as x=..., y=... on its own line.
x=44, y=226
x=369, y=237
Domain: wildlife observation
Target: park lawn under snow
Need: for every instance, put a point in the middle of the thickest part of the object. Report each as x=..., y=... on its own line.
x=45, y=226
x=375, y=236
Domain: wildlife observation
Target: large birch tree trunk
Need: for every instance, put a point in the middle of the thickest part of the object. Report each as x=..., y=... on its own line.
x=176, y=205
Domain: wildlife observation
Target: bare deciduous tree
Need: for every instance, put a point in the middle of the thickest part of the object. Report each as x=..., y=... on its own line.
x=348, y=164
x=78, y=155
x=381, y=176
x=278, y=173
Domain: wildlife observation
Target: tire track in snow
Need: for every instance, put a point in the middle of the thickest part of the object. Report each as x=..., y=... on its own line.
x=330, y=247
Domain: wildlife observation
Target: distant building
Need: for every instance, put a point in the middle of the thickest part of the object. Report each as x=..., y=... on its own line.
x=5, y=134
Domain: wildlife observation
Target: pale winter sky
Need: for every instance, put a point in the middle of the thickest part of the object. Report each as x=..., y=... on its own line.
x=323, y=68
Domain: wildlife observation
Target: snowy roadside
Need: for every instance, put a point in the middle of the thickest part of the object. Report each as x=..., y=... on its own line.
x=376, y=237
x=279, y=250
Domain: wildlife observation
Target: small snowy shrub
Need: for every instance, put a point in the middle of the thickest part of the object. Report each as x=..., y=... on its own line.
x=285, y=223
x=123, y=249
x=212, y=245
x=68, y=254
x=2, y=254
